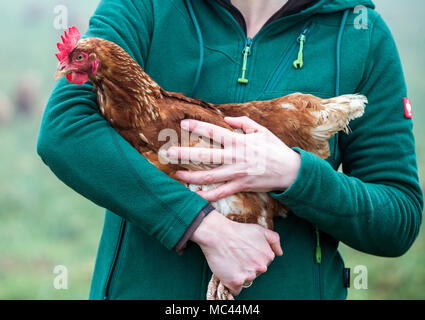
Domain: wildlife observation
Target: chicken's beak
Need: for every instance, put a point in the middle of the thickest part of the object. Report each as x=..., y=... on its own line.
x=61, y=70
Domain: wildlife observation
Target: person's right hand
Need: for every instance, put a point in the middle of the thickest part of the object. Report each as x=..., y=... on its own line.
x=236, y=252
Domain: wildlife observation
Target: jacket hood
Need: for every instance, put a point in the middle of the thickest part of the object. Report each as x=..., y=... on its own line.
x=329, y=6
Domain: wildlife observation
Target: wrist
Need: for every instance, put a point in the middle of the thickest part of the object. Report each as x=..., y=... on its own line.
x=207, y=230
x=290, y=175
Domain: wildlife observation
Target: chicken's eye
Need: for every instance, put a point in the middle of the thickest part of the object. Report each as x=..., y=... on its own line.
x=80, y=57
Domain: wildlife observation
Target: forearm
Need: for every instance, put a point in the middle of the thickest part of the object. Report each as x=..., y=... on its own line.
x=83, y=150
x=376, y=205
x=376, y=218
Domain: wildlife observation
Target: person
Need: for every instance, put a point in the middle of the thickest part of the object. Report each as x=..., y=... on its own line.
x=235, y=51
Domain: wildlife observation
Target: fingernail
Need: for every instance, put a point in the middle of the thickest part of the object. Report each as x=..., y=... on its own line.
x=185, y=124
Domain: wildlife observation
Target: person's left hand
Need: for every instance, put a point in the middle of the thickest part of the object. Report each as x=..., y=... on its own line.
x=257, y=161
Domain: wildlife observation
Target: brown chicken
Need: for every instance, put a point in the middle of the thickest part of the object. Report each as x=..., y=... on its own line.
x=139, y=109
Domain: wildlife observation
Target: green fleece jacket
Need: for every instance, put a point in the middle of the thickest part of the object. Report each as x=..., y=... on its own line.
x=196, y=47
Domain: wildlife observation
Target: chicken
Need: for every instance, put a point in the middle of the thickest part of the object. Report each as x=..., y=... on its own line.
x=143, y=113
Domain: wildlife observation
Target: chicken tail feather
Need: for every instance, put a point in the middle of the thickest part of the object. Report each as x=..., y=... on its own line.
x=337, y=113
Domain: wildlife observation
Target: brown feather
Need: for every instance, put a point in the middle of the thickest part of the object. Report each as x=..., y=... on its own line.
x=139, y=109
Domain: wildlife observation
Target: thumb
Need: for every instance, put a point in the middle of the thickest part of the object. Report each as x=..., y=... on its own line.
x=246, y=124
x=274, y=240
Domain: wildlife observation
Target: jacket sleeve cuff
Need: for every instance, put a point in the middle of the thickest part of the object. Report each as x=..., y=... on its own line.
x=302, y=183
x=184, y=240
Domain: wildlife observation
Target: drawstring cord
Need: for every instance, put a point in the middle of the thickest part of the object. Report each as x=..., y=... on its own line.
x=318, y=249
x=338, y=69
x=338, y=52
x=201, y=46
x=318, y=252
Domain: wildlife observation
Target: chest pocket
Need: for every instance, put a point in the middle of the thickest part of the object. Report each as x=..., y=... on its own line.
x=302, y=69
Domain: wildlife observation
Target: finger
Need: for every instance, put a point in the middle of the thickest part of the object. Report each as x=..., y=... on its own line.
x=208, y=130
x=204, y=155
x=223, y=191
x=234, y=290
x=274, y=240
x=246, y=124
x=252, y=277
x=217, y=175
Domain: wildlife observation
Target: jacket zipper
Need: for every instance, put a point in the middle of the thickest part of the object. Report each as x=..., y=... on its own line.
x=298, y=64
x=114, y=260
x=243, y=80
x=286, y=61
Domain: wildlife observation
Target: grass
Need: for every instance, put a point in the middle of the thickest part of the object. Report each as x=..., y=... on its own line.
x=389, y=278
x=43, y=223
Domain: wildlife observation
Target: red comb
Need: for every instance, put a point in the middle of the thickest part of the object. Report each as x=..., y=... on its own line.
x=68, y=43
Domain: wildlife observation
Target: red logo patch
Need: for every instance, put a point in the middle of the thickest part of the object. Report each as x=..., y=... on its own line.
x=408, y=113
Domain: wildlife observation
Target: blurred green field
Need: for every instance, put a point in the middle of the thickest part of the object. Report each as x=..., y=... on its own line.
x=44, y=224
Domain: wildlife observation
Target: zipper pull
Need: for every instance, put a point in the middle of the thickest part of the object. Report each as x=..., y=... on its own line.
x=246, y=52
x=298, y=64
x=318, y=249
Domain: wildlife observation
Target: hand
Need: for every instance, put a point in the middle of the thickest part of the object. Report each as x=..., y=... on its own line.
x=257, y=161
x=236, y=252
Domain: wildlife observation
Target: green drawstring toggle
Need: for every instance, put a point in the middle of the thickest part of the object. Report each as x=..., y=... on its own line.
x=298, y=64
x=242, y=79
x=318, y=249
